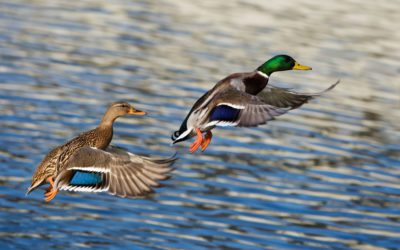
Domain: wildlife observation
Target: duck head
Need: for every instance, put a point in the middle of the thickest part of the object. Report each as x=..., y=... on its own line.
x=281, y=63
x=118, y=109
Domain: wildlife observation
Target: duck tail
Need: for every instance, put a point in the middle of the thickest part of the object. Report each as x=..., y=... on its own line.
x=180, y=135
x=175, y=135
x=30, y=189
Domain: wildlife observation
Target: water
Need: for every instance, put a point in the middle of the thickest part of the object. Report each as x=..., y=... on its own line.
x=325, y=176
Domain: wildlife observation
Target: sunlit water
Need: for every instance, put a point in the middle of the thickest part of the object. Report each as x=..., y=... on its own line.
x=326, y=176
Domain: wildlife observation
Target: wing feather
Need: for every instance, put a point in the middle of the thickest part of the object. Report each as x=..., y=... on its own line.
x=123, y=173
x=286, y=98
x=252, y=110
x=258, y=109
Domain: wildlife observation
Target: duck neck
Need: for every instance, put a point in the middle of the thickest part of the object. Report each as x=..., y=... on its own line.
x=108, y=119
x=267, y=68
x=104, y=136
x=105, y=130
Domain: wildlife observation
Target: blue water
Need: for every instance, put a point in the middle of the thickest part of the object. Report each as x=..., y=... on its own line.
x=326, y=176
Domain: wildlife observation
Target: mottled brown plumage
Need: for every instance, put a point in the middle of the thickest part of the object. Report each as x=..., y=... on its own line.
x=59, y=158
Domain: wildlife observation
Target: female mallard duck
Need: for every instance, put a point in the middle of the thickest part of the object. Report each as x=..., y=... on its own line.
x=237, y=100
x=88, y=164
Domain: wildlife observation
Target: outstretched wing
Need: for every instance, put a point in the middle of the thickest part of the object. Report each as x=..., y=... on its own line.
x=285, y=98
x=114, y=170
x=237, y=108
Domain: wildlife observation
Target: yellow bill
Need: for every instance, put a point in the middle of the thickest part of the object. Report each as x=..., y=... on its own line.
x=298, y=66
x=134, y=111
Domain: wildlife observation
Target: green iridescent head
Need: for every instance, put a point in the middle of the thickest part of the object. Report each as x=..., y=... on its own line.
x=281, y=63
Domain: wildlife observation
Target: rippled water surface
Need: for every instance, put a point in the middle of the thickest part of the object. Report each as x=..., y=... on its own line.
x=326, y=176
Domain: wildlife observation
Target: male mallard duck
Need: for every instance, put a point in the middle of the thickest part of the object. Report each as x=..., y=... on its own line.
x=237, y=100
x=88, y=164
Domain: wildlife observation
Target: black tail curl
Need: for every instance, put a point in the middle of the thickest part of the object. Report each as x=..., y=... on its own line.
x=175, y=135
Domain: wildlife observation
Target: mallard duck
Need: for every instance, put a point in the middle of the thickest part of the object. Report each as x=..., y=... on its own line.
x=239, y=100
x=88, y=164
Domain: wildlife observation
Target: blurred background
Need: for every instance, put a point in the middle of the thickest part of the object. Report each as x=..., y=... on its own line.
x=326, y=176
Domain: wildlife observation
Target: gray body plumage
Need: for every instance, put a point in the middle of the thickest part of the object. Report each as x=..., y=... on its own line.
x=247, y=92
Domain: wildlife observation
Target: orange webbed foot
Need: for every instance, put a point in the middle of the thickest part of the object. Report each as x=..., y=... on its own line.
x=51, y=191
x=196, y=144
x=50, y=195
x=206, y=141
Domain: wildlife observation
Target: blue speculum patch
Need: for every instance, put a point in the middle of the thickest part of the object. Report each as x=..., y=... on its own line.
x=224, y=113
x=86, y=178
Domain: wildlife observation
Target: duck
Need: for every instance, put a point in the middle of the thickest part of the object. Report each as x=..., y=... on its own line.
x=242, y=100
x=88, y=163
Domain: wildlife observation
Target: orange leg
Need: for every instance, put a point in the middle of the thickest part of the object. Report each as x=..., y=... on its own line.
x=196, y=144
x=206, y=141
x=51, y=192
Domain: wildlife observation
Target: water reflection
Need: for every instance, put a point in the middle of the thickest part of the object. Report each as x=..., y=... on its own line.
x=322, y=177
